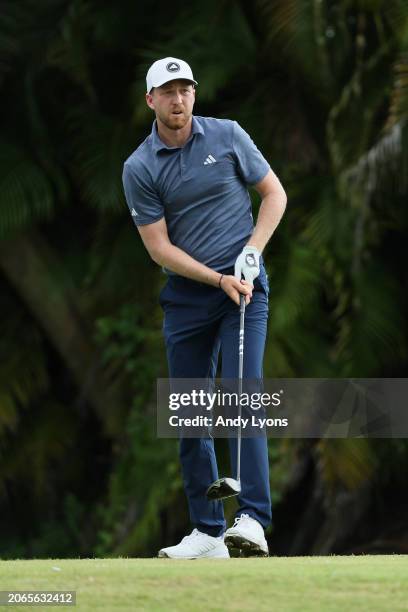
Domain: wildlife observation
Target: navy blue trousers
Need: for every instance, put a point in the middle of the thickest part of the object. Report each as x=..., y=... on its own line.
x=201, y=321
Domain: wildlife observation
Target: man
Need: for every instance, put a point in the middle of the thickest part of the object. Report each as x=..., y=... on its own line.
x=186, y=188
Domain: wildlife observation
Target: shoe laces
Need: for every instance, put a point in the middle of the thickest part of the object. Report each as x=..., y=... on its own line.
x=238, y=519
x=194, y=534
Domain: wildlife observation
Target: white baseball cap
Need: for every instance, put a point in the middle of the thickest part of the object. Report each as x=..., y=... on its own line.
x=168, y=69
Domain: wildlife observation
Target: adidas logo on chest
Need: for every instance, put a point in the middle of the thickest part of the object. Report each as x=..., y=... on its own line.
x=209, y=160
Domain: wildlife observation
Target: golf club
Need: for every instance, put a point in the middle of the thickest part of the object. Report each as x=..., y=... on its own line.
x=228, y=487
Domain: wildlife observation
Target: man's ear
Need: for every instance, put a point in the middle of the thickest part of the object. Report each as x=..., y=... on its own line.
x=149, y=101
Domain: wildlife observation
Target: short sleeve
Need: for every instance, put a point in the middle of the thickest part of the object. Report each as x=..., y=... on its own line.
x=252, y=165
x=142, y=199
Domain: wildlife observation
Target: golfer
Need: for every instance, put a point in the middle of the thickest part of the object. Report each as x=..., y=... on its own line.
x=186, y=188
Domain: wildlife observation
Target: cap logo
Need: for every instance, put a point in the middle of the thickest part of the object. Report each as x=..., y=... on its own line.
x=173, y=67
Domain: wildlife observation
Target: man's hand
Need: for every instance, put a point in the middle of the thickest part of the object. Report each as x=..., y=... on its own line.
x=233, y=288
x=247, y=264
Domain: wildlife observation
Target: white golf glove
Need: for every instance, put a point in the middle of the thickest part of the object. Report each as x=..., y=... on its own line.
x=247, y=264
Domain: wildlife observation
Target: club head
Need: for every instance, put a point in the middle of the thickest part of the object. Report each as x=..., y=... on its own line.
x=222, y=488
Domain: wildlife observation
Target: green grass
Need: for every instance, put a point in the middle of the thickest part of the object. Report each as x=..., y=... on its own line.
x=276, y=584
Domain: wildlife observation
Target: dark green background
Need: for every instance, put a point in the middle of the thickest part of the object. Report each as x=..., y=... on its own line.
x=322, y=87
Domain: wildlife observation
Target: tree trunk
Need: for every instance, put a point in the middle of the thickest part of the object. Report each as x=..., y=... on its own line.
x=36, y=273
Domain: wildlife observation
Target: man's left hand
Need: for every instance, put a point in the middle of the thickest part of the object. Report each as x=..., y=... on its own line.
x=247, y=264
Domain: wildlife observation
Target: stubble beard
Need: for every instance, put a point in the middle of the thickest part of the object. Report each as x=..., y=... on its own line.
x=176, y=122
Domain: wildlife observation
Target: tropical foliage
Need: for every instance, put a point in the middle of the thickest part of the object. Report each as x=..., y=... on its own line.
x=322, y=87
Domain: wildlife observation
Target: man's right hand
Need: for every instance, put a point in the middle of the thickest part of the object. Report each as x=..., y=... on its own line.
x=233, y=288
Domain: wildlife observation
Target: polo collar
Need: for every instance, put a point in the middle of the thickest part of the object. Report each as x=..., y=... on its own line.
x=159, y=145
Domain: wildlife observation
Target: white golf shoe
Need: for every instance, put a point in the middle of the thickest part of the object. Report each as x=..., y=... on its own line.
x=247, y=536
x=197, y=545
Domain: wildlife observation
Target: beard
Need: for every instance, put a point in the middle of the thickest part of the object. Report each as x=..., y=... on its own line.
x=175, y=122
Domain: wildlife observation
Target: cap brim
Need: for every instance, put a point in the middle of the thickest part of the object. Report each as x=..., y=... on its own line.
x=175, y=78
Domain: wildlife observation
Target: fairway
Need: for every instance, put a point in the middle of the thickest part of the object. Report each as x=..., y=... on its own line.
x=279, y=583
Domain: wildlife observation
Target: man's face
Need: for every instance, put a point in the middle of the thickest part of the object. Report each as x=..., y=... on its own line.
x=173, y=103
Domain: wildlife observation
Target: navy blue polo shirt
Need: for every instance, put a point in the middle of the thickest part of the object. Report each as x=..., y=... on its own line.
x=200, y=188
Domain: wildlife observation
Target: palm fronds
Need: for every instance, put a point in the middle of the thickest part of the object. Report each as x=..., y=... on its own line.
x=26, y=191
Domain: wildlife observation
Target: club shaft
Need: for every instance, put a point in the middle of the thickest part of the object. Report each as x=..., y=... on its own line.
x=240, y=377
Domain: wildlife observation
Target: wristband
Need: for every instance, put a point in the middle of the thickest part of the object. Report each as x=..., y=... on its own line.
x=219, y=282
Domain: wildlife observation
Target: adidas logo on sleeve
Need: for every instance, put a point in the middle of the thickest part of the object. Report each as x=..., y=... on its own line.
x=134, y=213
